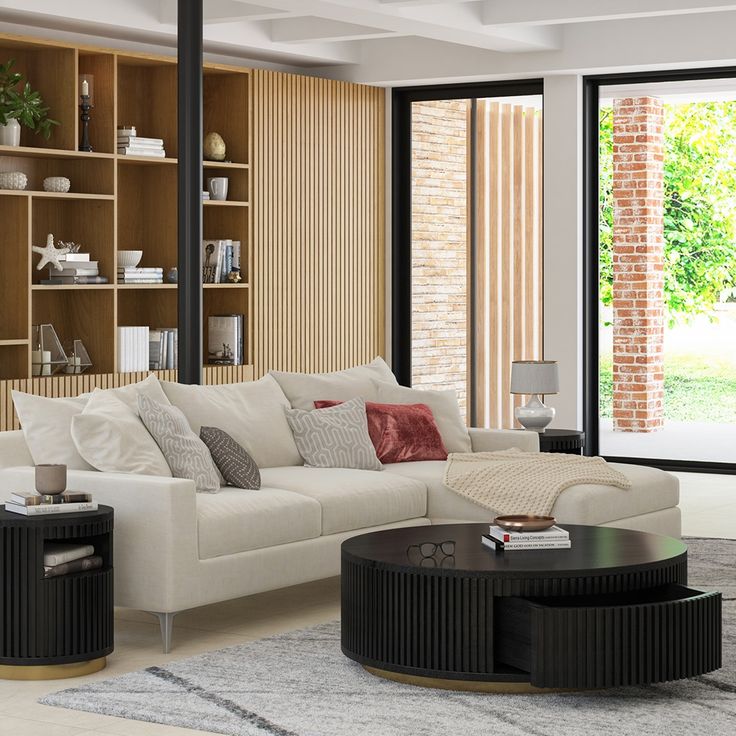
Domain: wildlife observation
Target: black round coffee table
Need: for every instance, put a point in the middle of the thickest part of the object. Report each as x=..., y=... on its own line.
x=612, y=610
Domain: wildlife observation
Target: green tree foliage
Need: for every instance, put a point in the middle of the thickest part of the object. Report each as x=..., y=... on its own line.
x=699, y=208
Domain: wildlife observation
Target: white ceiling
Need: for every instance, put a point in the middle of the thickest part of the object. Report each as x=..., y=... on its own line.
x=382, y=41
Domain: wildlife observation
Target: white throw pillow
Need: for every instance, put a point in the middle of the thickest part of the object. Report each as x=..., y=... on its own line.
x=252, y=413
x=47, y=427
x=336, y=437
x=444, y=408
x=47, y=423
x=186, y=454
x=303, y=389
x=111, y=437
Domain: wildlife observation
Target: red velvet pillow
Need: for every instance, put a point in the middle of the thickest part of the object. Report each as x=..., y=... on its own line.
x=401, y=433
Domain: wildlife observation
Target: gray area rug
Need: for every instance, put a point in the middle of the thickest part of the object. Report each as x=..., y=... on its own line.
x=300, y=684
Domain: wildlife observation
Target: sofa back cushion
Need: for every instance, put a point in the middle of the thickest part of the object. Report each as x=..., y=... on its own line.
x=303, y=389
x=252, y=413
x=47, y=422
x=444, y=407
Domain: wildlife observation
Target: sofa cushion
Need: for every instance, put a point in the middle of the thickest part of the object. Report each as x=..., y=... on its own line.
x=234, y=520
x=651, y=490
x=444, y=407
x=353, y=499
x=236, y=466
x=303, y=389
x=252, y=413
x=334, y=438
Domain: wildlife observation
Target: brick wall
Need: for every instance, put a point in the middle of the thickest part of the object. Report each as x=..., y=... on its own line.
x=439, y=246
x=638, y=255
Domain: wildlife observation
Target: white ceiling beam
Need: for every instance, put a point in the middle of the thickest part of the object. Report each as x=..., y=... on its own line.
x=221, y=11
x=544, y=12
x=310, y=30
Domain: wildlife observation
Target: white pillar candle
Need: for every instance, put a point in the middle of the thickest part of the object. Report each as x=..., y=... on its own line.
x=85, y=87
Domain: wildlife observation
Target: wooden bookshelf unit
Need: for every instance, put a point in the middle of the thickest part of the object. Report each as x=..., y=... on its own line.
x=116, y=202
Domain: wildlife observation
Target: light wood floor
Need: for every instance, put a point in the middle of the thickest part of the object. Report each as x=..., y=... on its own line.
x=708, y=503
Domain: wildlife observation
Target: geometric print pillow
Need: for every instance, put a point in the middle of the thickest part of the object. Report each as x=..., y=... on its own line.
x=334, y=438
x=186, y=454
x=238, y=468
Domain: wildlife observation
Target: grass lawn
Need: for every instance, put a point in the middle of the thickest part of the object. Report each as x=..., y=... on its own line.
x=694, y=389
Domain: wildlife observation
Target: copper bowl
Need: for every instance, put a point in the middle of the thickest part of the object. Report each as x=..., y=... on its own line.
x=524, y=522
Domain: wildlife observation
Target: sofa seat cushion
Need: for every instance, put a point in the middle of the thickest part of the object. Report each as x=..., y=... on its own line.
x=235, y=520
x=651, y=490
x=353, y=499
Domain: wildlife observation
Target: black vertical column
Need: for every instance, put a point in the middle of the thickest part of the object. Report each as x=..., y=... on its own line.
x=190, y=190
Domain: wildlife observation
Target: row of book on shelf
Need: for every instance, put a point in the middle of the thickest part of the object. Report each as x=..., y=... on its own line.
x=500, y=539
x=219, y=258
x=143, y=348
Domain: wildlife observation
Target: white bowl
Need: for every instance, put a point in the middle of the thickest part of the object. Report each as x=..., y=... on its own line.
x=129, y=258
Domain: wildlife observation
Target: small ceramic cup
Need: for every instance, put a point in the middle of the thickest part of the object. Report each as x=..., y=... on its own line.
x=51, y=479
x=217, y=186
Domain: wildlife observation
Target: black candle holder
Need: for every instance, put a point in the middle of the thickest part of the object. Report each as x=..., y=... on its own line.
x=85, y=106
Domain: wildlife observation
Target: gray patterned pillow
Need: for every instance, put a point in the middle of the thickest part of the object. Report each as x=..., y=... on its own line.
x=186, y=454
x=334, y=438
x=237, y=467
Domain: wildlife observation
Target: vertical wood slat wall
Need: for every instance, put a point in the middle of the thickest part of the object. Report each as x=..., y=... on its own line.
x=319, y=235
x=508, y=273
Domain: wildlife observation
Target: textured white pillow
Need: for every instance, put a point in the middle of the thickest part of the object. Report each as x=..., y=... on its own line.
x=252, y=413
x=186, y=454
x=444, y=408
x=336, y=437
x=47, y=423
x=111, y=437
x=303, y=389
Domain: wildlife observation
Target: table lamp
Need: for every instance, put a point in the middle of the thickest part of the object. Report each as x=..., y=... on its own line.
x=534, y=378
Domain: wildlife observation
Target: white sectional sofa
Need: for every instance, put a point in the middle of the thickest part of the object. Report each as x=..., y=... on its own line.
x=177, y=549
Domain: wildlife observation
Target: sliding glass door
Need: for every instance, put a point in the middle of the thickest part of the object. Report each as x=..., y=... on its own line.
x=467, y=241
x=662, y=323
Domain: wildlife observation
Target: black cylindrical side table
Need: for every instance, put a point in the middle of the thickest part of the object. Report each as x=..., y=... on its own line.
x=570, y=441
x=60, y=626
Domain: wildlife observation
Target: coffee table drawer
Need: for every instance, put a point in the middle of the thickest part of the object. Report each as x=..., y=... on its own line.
x=647, y=636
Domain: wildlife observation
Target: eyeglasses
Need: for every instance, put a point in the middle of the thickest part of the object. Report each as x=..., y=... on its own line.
x=430, y=549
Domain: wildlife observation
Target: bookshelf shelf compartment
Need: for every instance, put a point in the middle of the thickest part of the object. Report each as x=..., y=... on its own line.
x=226, y=203
x=94, y=176
x=14, y=213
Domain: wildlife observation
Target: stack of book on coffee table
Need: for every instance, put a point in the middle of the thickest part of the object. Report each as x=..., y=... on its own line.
x=31, y=503
x=552, y=538
x=63, y=559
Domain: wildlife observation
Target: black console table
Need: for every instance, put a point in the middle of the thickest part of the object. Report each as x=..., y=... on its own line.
x=614, y=610
x=59, y=626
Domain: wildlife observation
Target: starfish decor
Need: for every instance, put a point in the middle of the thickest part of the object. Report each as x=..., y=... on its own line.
x=50, y=254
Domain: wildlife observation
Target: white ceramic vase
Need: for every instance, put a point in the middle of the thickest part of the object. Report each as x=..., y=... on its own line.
x=10, y=133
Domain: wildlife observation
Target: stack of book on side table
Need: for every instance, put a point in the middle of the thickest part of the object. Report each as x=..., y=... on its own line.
x=61, y=558
x=552, y=538
x=31, y=503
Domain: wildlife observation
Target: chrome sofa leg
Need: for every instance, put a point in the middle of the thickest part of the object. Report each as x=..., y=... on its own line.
x=166, y=621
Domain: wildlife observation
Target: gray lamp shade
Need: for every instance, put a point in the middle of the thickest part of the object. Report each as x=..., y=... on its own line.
x=534, y=377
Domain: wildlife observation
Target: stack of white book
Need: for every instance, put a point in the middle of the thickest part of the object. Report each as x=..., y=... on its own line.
x=138, y=275
x=132, y=349
x=31, y=503
x=130, y=144
x=552, y=538
x=62, y=558
x=76, y=268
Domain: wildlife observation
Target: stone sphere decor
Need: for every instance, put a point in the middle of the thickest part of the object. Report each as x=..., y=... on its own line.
x=214, y=147
x=56, y=184
x=13, y=180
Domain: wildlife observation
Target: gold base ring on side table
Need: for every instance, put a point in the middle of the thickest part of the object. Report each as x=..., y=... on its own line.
x=470, y=686
x=51, y=671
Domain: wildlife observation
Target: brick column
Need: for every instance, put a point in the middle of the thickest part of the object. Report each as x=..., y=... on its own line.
x=638, y=257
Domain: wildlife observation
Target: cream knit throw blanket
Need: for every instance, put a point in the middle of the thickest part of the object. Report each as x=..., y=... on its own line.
x=517, y=482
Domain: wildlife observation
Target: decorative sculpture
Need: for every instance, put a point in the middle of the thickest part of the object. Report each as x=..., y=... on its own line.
x=50, y=254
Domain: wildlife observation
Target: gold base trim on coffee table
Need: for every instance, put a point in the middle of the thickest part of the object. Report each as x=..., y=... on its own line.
x=51, y=671
x=469, y=686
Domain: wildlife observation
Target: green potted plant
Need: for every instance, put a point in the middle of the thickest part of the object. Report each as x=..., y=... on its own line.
x=20, y=105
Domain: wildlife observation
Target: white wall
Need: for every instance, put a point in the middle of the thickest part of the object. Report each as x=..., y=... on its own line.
x=563, y=334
